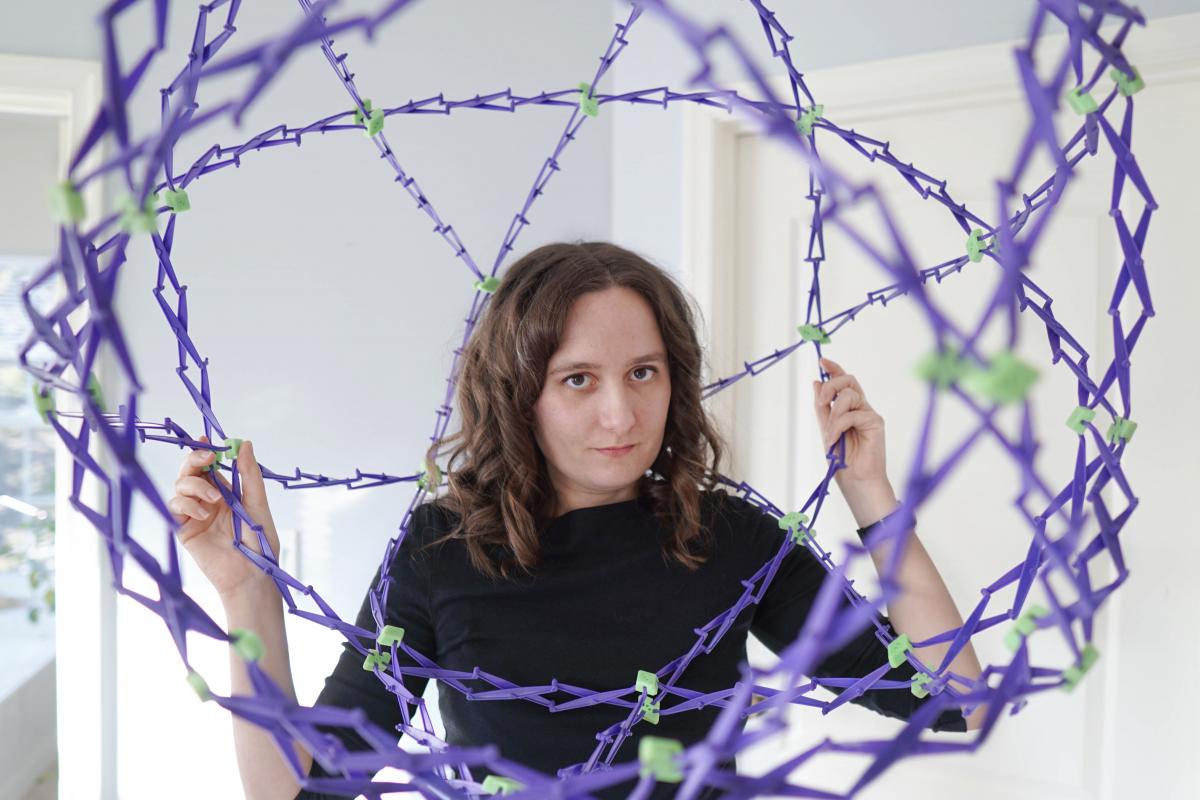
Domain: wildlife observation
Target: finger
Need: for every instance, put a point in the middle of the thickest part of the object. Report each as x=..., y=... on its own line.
x=822, y=409
x=832, y=386
x=195, y=461
x=197, y=487
x=852, y=419
x=254, y=491
x=186, y=507
x=846, y=400
x=832, y=367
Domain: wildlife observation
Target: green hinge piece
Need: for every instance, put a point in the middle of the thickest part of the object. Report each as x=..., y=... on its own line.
x=429, y=480
x=896, y=650
x=1025, y=625
x=177, y=200
x=44, y=402
x=138, y=220
x=1081, y=102
x=1126, y=85
x=67, y=203
x=646, y=681
x=496, y=784
x=587, y=104
x=94, y=392
x=234, y=446
x=1080, y=415
x=796, y=523
x=919, y=682
x=943, y=367
x=1122, y=428
x=1073, y=674
x=975, y=245
x=489, y=284
x=1007, y=379
x=199, y=686
x=247, y=644
x=808, y=118
x=813, y=333
x=373, y=119
x=390, y=635
x=376, y=659
x=650, y=711
x=657, y=757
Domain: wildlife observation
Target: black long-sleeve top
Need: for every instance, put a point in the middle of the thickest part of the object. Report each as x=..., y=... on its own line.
x=603, y=605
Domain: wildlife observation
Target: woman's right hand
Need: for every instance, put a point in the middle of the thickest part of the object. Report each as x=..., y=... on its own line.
x=207, y=520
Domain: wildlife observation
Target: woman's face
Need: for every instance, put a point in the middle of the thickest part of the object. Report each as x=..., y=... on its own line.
x=608, y=385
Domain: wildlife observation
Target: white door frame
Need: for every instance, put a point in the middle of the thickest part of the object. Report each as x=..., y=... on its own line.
x=85, y=601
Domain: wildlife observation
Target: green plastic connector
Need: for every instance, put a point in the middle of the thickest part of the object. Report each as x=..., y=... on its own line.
x=177, y=200
x=1072, y=675
x=377, y=659
x=94, y=391
x=588, y=104
x=650, y=711
x=792, y=519
x=813, y=333
x=657, y=757
x=1007, y=379
x=138, y=220
x=1126, y=85
x=975, y=246
x=45, y=403
x=1081, y=102
x=429, y=481
x=943, y=367
x=896, y=650
x=647, y=681
x=919, y=682
x=67, y=203
x=1025, y=625
x=1122, y=428
x=390, y=635
x=234, y=446
x=1080, y=415
x=247, y=644
x=808, y=118
x=797, y=524
x=199, y=686
x=375, y=123
x=497, y=784
x=489, y=284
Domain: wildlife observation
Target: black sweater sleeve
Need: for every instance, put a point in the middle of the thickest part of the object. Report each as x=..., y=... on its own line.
x=781, y=615
x=352, y=686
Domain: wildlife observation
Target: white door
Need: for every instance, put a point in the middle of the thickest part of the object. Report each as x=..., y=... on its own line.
x=958, y=116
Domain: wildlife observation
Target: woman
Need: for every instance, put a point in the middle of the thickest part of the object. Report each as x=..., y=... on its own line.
x=582, y=537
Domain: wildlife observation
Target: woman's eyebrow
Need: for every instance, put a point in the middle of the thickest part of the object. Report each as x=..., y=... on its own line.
x=586, y=365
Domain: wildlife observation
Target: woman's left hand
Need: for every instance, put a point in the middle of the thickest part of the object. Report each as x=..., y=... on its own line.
x=842, y=407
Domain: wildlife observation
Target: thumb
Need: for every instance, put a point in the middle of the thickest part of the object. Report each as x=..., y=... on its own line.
x=254, y=491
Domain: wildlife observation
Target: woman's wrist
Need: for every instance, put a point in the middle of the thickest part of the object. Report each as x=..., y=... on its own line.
x=869, y=502
x=254, y=591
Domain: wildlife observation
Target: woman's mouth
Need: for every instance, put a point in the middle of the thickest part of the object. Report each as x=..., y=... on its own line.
x=615, y=451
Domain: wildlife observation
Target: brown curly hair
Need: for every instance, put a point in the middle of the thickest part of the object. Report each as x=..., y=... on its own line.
x=501, y=494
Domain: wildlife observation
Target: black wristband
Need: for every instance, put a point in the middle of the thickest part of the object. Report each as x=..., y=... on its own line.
x=863, y=533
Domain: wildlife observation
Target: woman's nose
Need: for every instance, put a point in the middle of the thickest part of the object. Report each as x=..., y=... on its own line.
x=616, y=410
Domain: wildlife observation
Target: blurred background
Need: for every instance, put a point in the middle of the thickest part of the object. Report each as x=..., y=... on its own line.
x=329, y=311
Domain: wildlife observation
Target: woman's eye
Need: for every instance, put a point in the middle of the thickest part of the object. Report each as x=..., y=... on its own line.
x=569, y=380
x=647, y=369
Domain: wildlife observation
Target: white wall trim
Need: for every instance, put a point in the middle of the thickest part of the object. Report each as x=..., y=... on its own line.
x=85, y=618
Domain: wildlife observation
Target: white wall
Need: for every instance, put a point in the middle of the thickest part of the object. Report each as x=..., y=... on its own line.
x=648, y=140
